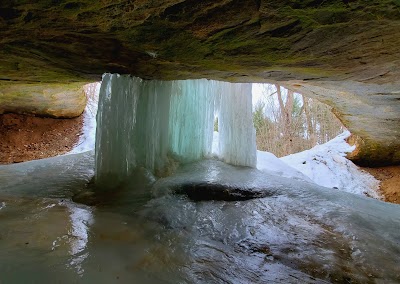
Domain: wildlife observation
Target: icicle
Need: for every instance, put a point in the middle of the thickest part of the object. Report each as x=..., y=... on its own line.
x=237, y=136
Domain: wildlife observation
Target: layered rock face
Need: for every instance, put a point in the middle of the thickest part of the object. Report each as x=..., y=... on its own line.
x=344, y=52
x=52, y=100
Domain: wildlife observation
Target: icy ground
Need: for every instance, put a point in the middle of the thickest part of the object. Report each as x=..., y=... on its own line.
x=301, y=233
x=324, y=165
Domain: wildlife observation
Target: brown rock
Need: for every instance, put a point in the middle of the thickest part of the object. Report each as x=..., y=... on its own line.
x=53, y=100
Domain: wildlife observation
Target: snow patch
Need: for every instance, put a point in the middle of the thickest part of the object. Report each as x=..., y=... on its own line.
x=266, y=162
x=327, y=166
x=87, y=138
x=269, y=163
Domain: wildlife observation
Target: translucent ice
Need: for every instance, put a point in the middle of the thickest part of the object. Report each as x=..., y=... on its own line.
x=237, y=136
x=151, y=124
x=115, y=136
x=192, y=119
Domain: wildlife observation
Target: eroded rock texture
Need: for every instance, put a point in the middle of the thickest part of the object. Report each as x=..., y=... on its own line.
x=347, y=47
x=52, y=100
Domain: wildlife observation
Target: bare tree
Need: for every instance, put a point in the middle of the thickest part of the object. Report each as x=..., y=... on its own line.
x=287, y=123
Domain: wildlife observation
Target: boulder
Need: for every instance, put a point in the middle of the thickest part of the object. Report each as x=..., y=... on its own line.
x=52, y=100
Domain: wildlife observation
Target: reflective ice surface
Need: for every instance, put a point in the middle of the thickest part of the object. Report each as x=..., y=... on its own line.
x=302, y=233
x=53, y=177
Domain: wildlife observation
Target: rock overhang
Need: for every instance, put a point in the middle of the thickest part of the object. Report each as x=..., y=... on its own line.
x=343, y=52
x=237, y=40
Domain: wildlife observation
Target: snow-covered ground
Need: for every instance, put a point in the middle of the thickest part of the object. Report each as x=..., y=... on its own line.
x=327, y=165
x=268, y=162
x=324, y=164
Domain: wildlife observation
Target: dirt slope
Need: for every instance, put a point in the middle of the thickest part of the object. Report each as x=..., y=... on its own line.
x=390, y=182
x=24, y=138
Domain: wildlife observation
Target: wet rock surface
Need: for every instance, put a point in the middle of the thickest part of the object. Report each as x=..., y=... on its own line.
x=215, y=191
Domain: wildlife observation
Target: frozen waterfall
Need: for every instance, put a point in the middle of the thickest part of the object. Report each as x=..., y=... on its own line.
x=153, y=124
x=237, y=136
x=191, y=123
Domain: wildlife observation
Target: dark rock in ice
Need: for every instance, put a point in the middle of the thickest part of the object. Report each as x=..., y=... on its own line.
x=198, y=191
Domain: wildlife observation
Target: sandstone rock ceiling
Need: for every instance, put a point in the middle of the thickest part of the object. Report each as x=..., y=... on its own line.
x=53, y=40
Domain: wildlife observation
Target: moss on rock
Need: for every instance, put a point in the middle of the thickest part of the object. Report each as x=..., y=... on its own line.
x=370, y=153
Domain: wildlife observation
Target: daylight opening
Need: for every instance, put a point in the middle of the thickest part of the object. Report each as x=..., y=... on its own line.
x=157, y=124
x=287, y=122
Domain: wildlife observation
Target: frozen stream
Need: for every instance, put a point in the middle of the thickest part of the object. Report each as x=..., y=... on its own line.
x=301, y=233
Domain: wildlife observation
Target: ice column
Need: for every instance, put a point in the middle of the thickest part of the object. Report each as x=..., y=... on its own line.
x=191, y=121
x=132, y=127
x=116, y=120
x=237, y=136
x=152, y=122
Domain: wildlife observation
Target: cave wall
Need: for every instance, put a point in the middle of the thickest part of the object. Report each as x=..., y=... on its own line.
x=344, y=52
x=241, y=40
x=65, y=100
